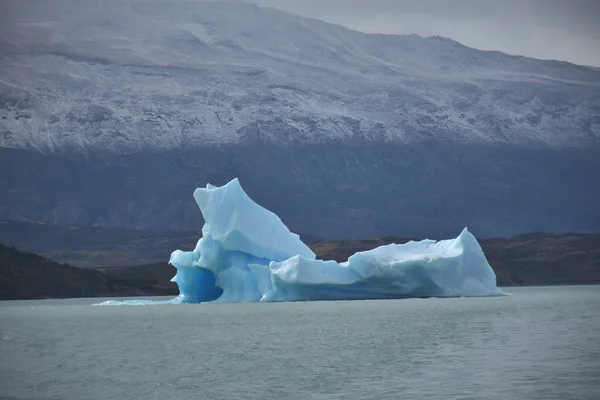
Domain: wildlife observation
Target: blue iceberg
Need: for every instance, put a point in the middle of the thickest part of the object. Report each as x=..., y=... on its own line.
x=247, y=254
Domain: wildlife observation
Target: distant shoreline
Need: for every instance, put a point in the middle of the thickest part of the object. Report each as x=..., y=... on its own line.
x=125, y=263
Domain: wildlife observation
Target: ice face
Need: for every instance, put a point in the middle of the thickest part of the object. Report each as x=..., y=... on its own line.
x=449, y=268
x=246, y=253
x=235, y=221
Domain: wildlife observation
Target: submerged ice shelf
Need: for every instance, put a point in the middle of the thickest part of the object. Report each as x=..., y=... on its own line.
x=247, y=254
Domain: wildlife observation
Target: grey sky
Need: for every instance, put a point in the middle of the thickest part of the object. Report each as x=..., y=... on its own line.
x=548, y=29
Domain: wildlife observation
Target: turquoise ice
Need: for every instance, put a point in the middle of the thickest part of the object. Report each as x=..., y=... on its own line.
x=247, y=254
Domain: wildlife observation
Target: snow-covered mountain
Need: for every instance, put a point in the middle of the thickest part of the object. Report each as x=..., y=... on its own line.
x=112, y=112
x=123, y=76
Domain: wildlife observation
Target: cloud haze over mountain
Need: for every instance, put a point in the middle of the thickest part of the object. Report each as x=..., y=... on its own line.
x=547, y=29
x=564, y=30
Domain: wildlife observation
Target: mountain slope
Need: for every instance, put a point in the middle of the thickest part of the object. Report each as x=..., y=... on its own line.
x=112, y=112
x=348, y=190
x=136, y=75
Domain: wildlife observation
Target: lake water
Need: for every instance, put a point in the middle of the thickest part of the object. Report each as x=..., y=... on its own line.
x=541, y=343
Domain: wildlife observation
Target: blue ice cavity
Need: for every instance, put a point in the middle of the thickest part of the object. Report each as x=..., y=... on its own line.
x=247, y=254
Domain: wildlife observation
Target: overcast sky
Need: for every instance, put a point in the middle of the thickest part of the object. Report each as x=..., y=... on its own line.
x=549, y=29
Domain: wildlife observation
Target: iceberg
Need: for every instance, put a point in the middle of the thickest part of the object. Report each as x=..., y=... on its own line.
x=247, y=254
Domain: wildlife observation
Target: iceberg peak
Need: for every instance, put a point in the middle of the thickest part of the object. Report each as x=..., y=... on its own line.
x=238, y=223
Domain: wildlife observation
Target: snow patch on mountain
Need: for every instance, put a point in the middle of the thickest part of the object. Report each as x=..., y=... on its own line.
x=124, y=76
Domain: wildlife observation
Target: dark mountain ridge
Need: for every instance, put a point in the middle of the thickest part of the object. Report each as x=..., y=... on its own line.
x=30, y=276
x=344, y=190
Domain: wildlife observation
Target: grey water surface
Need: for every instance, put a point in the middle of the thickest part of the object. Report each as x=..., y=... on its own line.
x=540, y=343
